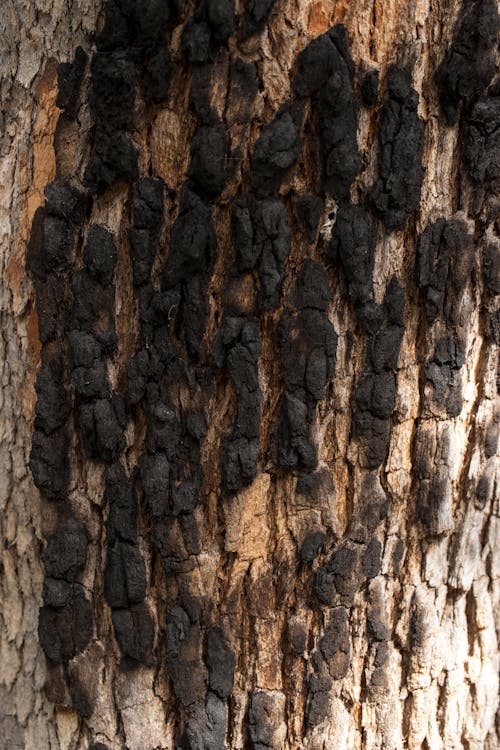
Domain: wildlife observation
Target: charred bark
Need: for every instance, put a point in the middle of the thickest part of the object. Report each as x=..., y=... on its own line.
x=251, y=361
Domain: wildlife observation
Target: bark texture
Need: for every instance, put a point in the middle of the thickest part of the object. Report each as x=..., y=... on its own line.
x=250, y=311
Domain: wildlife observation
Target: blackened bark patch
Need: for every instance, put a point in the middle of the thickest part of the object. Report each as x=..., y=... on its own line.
x=318, y=699
x=220, y=14
x=208, y=155
x=192, y=245
x=49, y=463
x=155, y=473
x=66, y=552
x=65, y=631
x=311, y=546
x=469, y=64
x=353, y=244
x=265, y=719
x=212, y=25
x=93, y=288
x=183, y=657
x=53, y=243
x=102, y=425
x=338, y=133
x=128, y=24
x=66, y=200
x=197, y=42
x=53, y=404
x=443, y=267
x=134, y=631
x=220, y=662
x=189, y=265
x=376, y=388
x=369, y=87
x=256, y=15
x=69, y=79
x=491, y=268
x=111, y=102
x=335, y=644
x=340, y=575
x=122, y=501
x=131, y=42
x=99, y=255
x=372, y=559
x=481, y=145
x=445, y=260
x=237, y=347
x=158, y=69
x=314, y=487
x=206, y=725
x=147, y=212
x=262, y=242
x=396, y=193
x=113, y=89
x=276, y=150
x=308, y=345
x=325, y=68
x=307, y=210
x=124, y=575
x=323, y=56
x=443, y=372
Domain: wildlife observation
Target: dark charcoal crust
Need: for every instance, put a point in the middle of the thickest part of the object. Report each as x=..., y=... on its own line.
x=396, y=193
x=469, y=64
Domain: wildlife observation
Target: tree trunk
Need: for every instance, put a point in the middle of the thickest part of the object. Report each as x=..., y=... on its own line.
x=249, y=467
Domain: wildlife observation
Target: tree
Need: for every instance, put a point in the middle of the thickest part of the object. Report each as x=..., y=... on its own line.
x=250, y=367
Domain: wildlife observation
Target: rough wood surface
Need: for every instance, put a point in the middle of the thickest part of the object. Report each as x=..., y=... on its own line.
x=356, y=600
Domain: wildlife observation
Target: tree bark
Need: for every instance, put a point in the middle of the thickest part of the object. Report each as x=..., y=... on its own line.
x=249, y=467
